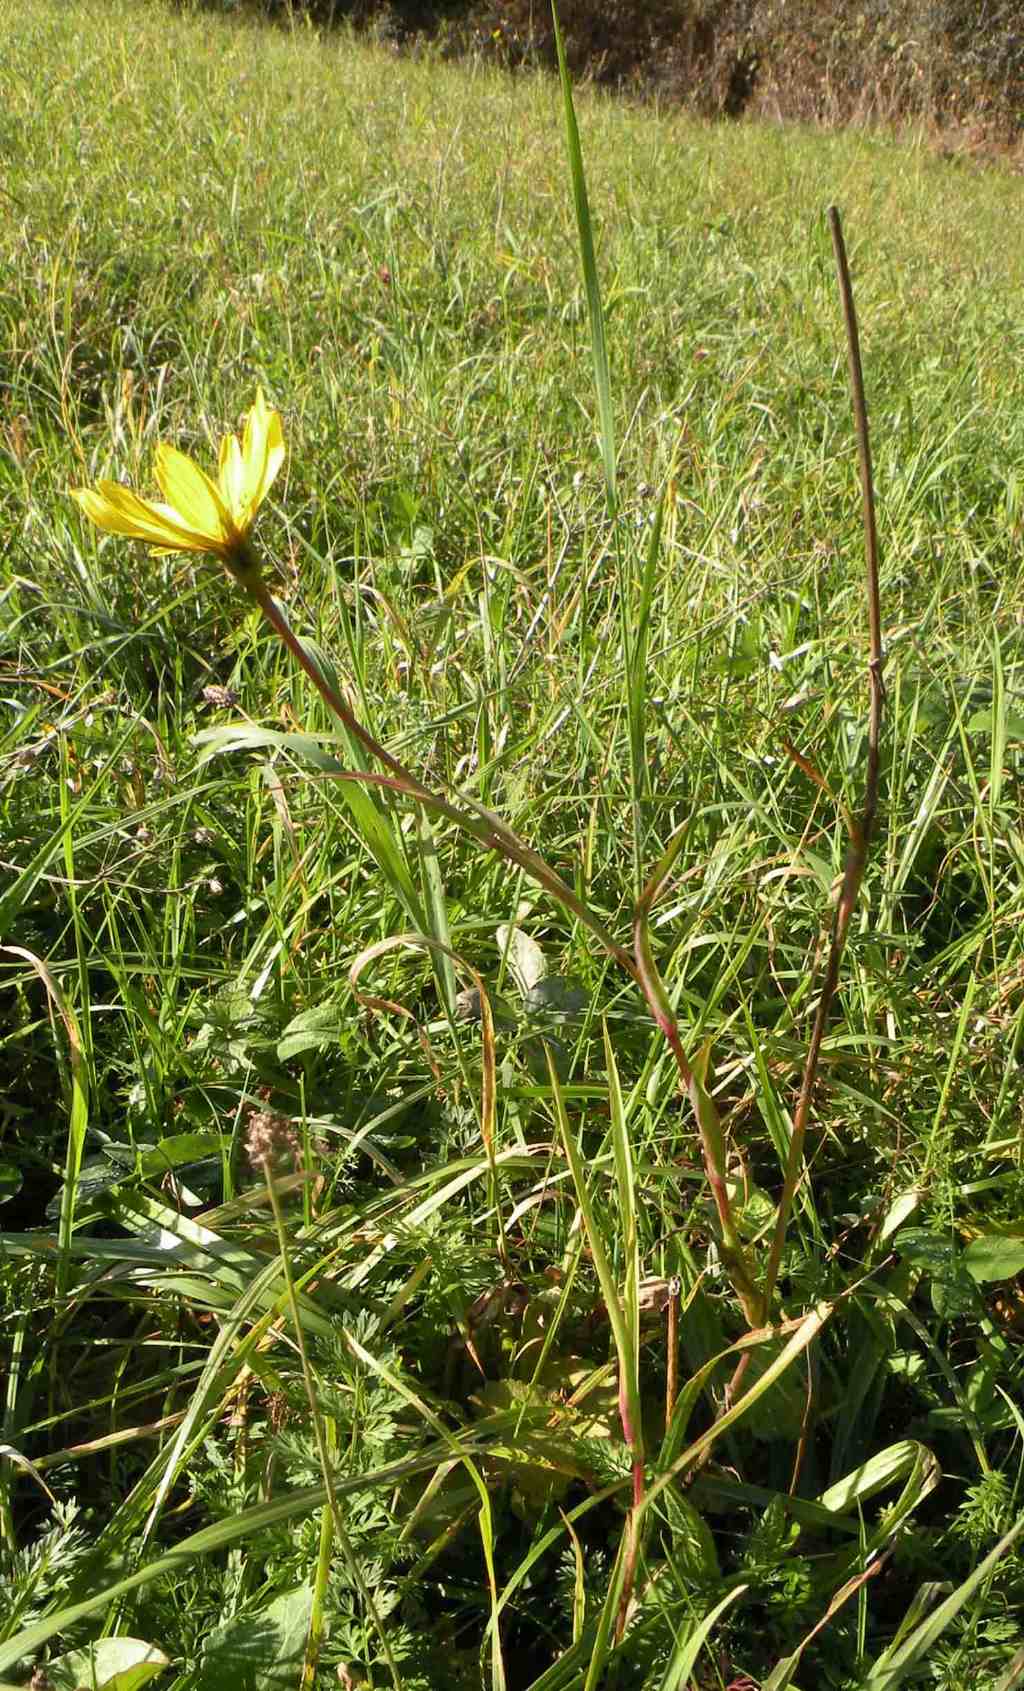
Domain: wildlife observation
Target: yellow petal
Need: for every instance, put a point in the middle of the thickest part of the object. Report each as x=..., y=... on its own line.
x=118, y=510
x=262, y=455
x=191, y=540
x=193, y=496
x=231, y=478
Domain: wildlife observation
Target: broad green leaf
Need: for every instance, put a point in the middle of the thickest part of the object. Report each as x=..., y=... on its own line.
x=995, y=1256
x=315, y=1029
x=179, y=1149
x=881, y=1470
x=527, y=963
x=1011, y=724
x=258, y=1649
x=111, y=1664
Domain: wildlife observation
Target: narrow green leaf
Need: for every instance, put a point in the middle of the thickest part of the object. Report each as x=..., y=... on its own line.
x=797, y=1342
x=369, y=820
x=629, y=1362
x=435, y=911
x=684, y=1659
x=592, y=286
x=893, y=1666
x=599, y=1255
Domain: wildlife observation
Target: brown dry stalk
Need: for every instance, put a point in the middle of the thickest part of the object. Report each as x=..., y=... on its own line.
x=860, y=831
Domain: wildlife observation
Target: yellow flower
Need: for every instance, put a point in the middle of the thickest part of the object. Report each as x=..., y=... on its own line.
x=200, y=515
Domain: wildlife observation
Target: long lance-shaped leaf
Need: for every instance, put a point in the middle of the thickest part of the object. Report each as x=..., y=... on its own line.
x=862, y=830
x=599, y=1256
x=639, y=639
x=634, y=634
x=781, y=1676
x=483, y=825
x=473, y=818
x=629, y=1381
x=372, y=825
x=634, y=622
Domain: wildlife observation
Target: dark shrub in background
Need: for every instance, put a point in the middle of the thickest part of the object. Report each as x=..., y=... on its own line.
x=944, y=61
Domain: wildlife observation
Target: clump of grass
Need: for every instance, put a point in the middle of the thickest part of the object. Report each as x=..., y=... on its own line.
x=477, y=1388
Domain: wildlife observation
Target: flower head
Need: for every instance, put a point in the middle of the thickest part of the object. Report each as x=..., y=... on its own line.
x=200, y=515
x=271, y=1140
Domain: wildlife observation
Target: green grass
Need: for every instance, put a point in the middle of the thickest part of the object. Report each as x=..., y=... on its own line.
x=194, y=207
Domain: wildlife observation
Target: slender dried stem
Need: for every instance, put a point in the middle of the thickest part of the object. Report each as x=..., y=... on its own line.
x=672, y=1350
x=285, y=633
x=861, y=830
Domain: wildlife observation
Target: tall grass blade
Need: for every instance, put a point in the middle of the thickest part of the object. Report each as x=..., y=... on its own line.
x=592, y=286
x=629, y=1383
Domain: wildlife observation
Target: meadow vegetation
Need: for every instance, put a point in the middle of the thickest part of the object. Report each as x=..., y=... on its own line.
x=957, y=65
x=466, y=1388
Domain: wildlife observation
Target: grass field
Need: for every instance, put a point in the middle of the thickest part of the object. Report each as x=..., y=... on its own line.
x=461, y=1394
